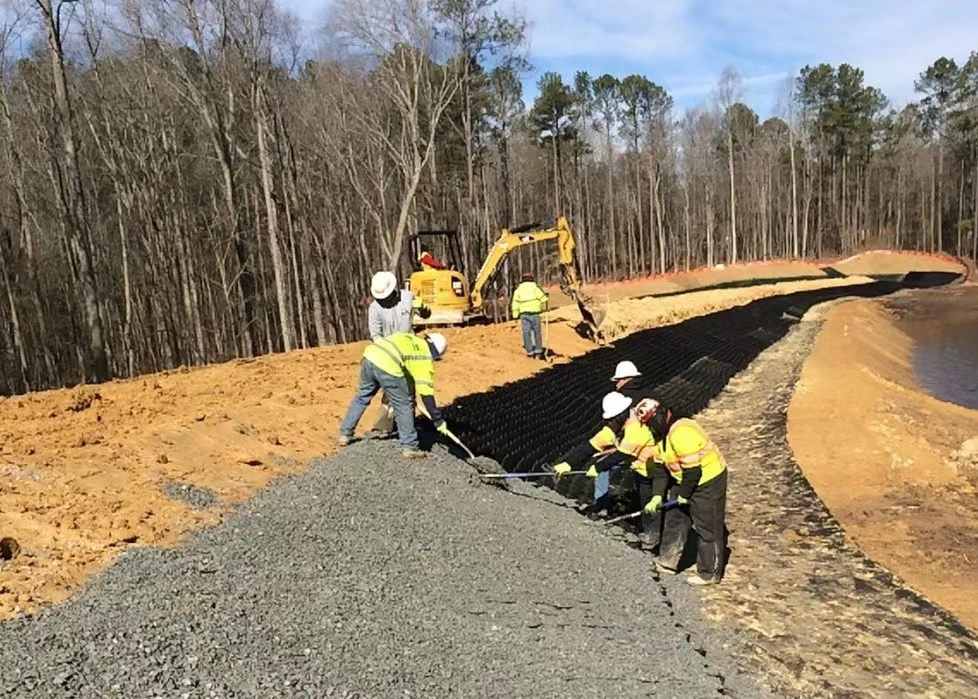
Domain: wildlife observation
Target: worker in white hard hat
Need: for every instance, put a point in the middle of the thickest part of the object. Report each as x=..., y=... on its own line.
x=400, y=364
x=630, y=383
x=632, y=444
x=392, y=311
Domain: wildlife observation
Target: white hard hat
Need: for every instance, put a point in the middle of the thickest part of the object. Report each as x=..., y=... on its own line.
x=439, y=342
x=625, y=370
x=614, y=404
x=383, y=285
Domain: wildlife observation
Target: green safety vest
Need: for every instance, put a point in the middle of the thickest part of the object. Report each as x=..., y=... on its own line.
x=404, y=355
x=528, y=298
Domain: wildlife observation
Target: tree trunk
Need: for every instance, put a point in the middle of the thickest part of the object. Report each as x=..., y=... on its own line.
x=271, y=220
x=795, y=249
x=72, y=201
x=733, y=197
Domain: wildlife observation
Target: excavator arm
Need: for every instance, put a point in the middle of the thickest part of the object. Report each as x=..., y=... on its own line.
x=570, y=282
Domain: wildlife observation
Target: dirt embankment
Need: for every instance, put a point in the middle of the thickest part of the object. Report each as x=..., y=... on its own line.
x=83, y=472
x=886, y=458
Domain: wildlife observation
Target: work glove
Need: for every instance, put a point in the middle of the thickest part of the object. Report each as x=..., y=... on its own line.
x=442, y=427
x=562, y=468
x=680, y=500
x=592, y=472
x=653, y=505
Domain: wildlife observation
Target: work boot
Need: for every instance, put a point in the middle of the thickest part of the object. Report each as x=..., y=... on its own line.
x=345, y=441
x=695, y=578
x=647, y=542
x=380, y=434
x=662, y=567
x=413, y=453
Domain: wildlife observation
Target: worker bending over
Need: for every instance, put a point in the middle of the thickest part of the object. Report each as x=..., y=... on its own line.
x=632, y=443
x=684, y=453
x=630, y=382
x=392, y=311
x=529, y=301
x=400, y=364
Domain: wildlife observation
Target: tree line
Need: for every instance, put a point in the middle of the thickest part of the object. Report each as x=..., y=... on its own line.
x=180, y=183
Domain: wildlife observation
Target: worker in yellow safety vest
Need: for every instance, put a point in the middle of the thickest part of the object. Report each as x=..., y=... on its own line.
x=401, y=364
x=683, y=453
x=528, y=303
x=625, y=438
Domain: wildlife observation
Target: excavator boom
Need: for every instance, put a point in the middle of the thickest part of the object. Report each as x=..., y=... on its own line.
x=570, y=278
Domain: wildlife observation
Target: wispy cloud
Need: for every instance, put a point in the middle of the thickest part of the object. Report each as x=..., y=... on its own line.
x=685, y=44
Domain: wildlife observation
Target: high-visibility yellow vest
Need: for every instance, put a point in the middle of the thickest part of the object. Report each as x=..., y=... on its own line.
x=407, y=355
x=528, y=298
x=636, y=441
x=687, y=446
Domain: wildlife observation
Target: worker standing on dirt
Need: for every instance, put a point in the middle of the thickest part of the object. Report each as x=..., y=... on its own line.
x=529, y=302
x=392, y=311
x=631, y=442
x=685, y=454
x=400, y=364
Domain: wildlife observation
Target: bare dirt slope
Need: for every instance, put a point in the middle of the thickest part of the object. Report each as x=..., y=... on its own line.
x=83, y=472
x=886, y=458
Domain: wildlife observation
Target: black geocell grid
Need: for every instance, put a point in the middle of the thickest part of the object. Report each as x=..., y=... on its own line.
x=531, y=424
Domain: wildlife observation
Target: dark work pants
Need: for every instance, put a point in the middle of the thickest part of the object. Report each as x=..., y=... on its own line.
x=706, y=513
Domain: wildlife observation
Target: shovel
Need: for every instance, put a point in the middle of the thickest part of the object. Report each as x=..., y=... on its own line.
x=535, y=474
x=448, y=433
x=664, y=506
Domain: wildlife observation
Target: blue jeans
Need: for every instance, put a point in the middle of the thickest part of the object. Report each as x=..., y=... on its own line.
x=532, y=337
x=398, y=393
x=602, y=484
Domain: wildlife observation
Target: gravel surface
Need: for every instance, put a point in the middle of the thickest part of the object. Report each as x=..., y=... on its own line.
x=199, y=498
x=370, y=576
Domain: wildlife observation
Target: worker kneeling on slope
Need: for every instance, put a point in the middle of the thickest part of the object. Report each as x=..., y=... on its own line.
x=400, y=364
x=529, y=302
x=633, y=443
x=683, y=453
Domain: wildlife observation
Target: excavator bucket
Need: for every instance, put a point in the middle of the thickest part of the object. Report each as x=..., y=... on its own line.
x=593, y=316
x=591, y=313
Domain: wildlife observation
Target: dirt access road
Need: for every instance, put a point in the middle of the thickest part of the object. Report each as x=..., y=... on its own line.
x=84, y=472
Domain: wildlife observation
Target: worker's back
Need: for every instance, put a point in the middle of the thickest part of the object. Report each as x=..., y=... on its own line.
x=529, y=298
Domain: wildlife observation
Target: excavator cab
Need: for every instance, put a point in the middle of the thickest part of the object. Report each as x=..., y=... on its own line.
x=444, y=291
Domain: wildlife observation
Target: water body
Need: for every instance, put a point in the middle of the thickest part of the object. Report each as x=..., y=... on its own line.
x=944, y=326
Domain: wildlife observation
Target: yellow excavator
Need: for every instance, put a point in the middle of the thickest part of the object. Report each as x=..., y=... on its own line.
x=453, y=301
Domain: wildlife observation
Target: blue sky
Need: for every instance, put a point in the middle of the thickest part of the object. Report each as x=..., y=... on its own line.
x=684, y=44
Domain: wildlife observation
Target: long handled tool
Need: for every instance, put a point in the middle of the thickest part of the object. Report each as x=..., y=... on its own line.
x=664, y=506
x=448, y=433
x=534, y=474
x=451, y=435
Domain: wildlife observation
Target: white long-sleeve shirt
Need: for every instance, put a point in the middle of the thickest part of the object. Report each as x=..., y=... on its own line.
x=387, y=321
